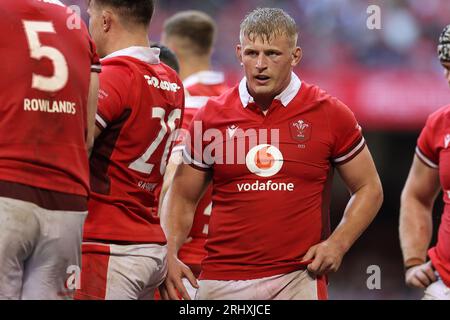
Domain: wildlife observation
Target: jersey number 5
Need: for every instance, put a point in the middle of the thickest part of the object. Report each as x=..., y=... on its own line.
x=37, y=51
x=141, y=164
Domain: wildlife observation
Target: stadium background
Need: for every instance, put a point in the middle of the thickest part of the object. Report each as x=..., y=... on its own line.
x=390, y=78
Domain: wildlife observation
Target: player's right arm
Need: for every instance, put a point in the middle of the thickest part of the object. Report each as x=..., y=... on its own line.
x=174, y=160
x=177, y=215
x=92, y=110
x=417, y=200
x=113, y=87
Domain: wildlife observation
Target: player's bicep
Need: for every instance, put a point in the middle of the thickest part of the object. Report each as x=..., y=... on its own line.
x=422, y=183
x=190, y=183
x=359, y=172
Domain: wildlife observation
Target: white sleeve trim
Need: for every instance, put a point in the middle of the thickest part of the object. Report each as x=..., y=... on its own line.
x=178, y=148
x=425, y=159
x=352, y=152
x=187, y=157
x=100, y=121
x=196, y=102
x=96, y=68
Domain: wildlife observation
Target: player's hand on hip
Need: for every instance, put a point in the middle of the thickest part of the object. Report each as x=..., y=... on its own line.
x=176, y=271
x=420, y=276
x=325, y=257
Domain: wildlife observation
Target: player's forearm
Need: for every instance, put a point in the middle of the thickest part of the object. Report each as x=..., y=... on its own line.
x=361, y=209
x=176, y=220
x=168, y=179
x=415, y=229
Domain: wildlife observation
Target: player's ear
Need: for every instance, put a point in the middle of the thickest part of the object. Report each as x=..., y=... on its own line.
x=297, y=55
x=107, y=18
x=239, y=53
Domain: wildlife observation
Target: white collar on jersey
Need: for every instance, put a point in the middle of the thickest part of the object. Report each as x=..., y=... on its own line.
x=204, y=77
x=285, y=97
x=146, y=54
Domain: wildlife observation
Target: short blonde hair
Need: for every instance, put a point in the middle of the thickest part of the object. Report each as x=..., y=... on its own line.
x=267, y=23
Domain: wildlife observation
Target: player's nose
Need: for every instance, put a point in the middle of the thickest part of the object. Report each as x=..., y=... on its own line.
x=261, y=62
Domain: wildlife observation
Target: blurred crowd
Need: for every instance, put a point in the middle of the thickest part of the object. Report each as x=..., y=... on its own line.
x=333, y=33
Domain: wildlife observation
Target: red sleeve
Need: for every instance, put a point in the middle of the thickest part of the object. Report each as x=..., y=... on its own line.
x=112, y=94
x=346, y=133
x=195, y=144
x=426, y=149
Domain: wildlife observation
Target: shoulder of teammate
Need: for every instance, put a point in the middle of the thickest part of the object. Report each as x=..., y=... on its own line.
x=95, y=59
x=207, y=117
x=434, y=136
x=438, y=117
x=345, y=131
x=114, y=88
x=71, y=20
x=214, y=107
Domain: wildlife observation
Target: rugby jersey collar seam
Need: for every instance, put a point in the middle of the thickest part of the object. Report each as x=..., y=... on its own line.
x=145, y=54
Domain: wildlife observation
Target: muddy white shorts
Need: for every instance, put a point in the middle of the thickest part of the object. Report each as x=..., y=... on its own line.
x=298, y=285
x=437, y=291
x=121, y=272
x=40, y=250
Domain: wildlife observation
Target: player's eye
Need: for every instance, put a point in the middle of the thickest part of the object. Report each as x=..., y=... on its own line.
x=273, y=53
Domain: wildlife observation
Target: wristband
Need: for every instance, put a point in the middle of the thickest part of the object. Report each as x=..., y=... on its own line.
x=412, y=262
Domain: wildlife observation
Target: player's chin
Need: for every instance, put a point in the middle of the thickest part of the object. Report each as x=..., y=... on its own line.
x=262, y=89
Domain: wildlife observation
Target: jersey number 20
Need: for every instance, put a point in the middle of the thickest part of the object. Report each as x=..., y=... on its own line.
x=141, y=164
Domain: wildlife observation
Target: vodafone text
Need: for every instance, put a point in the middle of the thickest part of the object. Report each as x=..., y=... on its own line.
x=265, y=186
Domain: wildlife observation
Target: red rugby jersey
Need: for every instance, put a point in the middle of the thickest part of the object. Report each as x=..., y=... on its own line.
x=141, y=103
x=44, y=85
x=271, y=178
x=433, y=149
x=199, y=88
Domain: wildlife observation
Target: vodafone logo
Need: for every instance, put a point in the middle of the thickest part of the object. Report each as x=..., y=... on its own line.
x=264, y=160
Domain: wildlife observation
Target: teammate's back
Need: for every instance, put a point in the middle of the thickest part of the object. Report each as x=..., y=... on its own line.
x=140, y=105
x=48, y=94
x=43, y=89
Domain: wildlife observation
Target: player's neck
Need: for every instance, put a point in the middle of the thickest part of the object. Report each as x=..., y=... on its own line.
x=125, y=40
x=263, y=102
x=190, y=66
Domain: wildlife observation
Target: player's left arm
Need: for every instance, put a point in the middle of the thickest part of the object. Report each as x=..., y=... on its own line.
x=363, y=182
